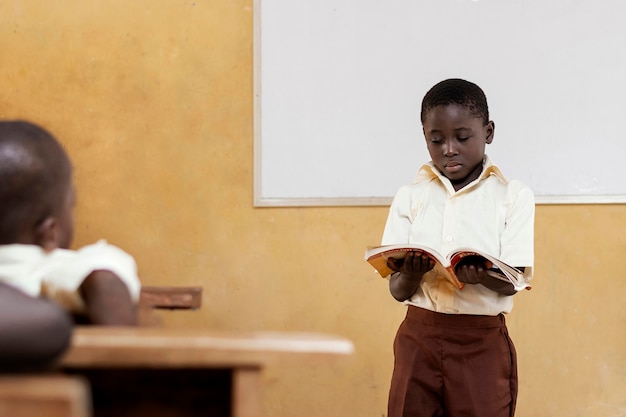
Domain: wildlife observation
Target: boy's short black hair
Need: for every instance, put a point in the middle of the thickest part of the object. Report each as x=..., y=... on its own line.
x=457, y=91
x=34, y=175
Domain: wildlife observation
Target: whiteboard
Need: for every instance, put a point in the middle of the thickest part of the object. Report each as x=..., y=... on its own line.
x=339, y=83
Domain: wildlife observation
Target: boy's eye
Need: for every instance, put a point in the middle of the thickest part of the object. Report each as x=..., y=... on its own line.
x=462, y=139
x=436, y=140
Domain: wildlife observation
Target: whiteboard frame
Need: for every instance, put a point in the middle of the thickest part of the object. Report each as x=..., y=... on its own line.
x=386, y=201
x=260, y=201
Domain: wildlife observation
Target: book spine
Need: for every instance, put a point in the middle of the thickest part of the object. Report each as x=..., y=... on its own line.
x=453, y=278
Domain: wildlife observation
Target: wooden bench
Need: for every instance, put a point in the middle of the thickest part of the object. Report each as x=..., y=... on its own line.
x=44, y=395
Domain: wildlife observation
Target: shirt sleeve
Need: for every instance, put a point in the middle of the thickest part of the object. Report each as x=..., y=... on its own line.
x=62, y=282
x=398, y=226
x=517, y=240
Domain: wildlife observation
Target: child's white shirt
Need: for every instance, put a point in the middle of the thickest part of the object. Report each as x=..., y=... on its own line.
x=58, y=274
x=491, y=214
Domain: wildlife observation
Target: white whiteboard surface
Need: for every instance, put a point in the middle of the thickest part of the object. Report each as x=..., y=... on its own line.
x=339, y=83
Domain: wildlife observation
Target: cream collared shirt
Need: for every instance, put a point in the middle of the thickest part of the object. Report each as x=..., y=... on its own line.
x=58, y=274
x=491, y=214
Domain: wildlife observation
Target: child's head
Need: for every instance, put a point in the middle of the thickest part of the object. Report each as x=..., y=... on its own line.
x=455, y=120
x=36, y=191
x=460, y=92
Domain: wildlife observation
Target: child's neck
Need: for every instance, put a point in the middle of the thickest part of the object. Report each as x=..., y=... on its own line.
x=471, y=177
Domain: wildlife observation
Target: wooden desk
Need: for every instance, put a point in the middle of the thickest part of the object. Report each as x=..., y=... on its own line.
x=169, y=372
x=170, y=297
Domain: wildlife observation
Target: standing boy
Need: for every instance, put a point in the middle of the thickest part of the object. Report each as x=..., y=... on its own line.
x=97, y=283
x=453, y=355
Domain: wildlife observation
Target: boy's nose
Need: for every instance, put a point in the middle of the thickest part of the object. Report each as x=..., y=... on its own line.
x=449, y=149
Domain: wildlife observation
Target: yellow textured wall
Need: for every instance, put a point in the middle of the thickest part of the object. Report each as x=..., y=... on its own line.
x=153, y=100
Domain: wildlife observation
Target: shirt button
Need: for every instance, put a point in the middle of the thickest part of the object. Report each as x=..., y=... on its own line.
x=449, y=238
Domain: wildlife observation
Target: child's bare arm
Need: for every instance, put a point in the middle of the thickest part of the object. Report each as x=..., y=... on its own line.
x=107, y=300
x=408, y=274
x=34, y=332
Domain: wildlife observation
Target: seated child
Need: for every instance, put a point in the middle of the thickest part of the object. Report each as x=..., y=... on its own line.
x=34, y=332
x=97, y=283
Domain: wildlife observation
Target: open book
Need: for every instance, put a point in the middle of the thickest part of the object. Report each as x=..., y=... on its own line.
x=377, y=257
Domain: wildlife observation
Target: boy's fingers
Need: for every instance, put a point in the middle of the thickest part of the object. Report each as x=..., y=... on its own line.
x=393, y=264
x=420, y=261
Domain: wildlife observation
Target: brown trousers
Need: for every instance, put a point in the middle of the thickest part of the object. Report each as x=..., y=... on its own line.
x=449, y=365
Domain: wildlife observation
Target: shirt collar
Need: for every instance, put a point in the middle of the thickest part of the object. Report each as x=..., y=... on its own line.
x=429, y=172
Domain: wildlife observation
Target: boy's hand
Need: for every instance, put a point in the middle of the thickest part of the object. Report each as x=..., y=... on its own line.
x=475, y=270
x=408, y=274
x=414, y=264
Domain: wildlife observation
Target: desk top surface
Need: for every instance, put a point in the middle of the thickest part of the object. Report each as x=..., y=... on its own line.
x=94, y=346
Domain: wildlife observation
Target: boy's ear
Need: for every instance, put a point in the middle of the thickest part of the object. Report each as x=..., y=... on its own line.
x=46, y=234
x=490, y=130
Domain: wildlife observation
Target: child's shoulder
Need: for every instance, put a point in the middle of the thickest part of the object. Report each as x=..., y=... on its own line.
x=103, y=248
x=103, y=255
x=515, y=193
x=511, y=187
x=520, y=188
x=518, y=185
x=69, y=269
x=411, y=191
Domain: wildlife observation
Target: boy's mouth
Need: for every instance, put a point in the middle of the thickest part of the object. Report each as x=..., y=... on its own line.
x=453, y=166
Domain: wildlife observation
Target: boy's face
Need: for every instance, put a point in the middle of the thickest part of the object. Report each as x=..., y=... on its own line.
x=456, y=142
